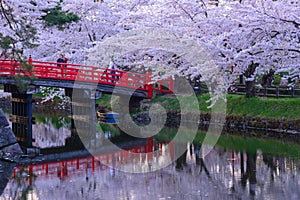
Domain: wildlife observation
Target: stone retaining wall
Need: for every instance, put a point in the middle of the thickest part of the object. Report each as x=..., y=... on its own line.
x=10, y=151
x=251, y=125
x=9, y=147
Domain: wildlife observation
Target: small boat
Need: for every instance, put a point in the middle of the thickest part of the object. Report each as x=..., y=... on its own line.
x=108, y=117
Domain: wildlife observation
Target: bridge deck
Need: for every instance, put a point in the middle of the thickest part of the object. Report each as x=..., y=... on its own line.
x=66, y=75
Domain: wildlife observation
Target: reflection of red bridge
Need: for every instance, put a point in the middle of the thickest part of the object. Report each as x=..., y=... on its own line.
x=100, y=162
x=85, y=74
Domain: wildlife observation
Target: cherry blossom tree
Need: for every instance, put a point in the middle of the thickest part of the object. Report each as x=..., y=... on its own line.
x=97, y=21
x=253, y=36
x=19, y=23
x=262, y=37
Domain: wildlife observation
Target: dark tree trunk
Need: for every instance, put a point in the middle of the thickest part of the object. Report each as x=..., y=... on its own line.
x=250, y=89
x=250, y=85
x=241, y=79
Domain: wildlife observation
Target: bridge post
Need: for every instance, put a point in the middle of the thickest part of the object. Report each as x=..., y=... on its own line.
x=21, y=116
x=149, y=86
x=83, y=121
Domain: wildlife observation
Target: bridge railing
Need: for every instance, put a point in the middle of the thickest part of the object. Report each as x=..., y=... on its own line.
x=83, y=73
x=10, y=68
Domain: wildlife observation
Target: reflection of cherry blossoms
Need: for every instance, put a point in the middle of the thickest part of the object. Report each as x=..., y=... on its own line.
x=48, y=135
x=232, y=175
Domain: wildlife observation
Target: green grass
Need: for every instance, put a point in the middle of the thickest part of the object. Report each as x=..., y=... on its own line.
x=172, y=103
x=275, y=108
x=272, y=108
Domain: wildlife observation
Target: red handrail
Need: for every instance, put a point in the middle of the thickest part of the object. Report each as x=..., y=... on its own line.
x=83, y=73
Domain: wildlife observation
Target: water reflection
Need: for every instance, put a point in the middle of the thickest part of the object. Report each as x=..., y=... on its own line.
x=220, y=175
x=49, y=132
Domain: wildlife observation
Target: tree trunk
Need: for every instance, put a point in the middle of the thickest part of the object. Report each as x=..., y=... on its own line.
x=250, y=89
x=241, y=79
x=250, y=85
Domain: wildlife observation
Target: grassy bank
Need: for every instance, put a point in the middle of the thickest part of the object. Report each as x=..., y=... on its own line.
x=273, y=108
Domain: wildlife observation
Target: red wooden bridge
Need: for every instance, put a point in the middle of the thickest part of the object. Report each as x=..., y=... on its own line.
x=64, y=75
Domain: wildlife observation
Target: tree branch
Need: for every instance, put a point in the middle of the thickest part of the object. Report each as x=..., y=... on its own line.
x=186, y=12
x=296, y=24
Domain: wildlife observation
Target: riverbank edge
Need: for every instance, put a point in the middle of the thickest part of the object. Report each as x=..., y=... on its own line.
x=232, y=125
x=246, y=116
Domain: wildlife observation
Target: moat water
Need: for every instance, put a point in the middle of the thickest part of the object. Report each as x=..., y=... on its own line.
x=236, y=168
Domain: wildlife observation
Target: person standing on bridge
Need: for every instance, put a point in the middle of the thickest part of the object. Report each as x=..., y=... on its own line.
x=62, y=59
x=113, y=70
x=30, y=60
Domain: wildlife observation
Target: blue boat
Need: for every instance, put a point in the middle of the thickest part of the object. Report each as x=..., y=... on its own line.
x=108, y=117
